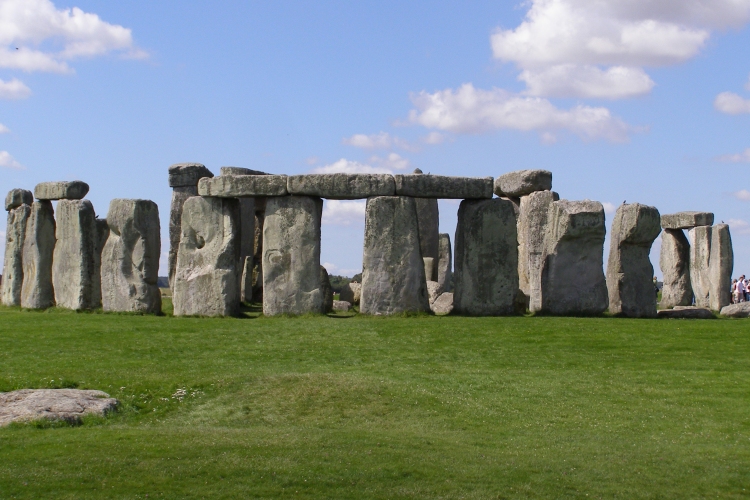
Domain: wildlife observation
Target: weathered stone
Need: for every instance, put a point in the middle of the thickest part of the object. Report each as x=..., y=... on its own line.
x=17, y=197
x=445, y=262
x=486, y=272
x=720, y=267
x=341, y=186
x=246, y=283
x=393, y=279
x=130, y=257
x=741, y=310
x=38, y=249
x=207, y=260
x=429, y=267
x=629, y=270
x=341, y=305
x=674, y=261
x=700, y=255
x=179, y=196
x=428, y=218
x=443, y=186
x=686, y=312
x=187, y=174
x=61, y=190
x=15, y=233
x=351, y=292
x=325, y=284
x=572, y=278
x=686, y=220
x=71, y=405
x=240, y=171
x=257, y=279
x=443, y=305
x=102, y=235
x=433, y=290
x=247, y=247
x=531, y=227
x=523, y=182
x=291, y=256
x=240, y=186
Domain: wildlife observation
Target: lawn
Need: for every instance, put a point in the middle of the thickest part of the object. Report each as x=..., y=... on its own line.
x=403, y=407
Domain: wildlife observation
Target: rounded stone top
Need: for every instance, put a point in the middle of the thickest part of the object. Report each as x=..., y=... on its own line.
x=17, y=197
x=523, y=182
x=61, y=190
x=187, y=174
x=418, y=171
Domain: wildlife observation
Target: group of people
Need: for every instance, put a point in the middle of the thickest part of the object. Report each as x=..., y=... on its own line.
x=740, y=290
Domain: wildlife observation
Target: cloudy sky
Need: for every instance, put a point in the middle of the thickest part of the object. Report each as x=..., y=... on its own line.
x=621, y=99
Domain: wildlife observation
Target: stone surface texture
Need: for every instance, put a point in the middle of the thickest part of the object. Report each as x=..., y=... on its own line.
x=572, y=278
x=17, y=197
x=38, y=248
x=629, y=270
x=247, y=247
x=442, y=186
x=443, y=305
x=70, y=405
x=428, y=219
x=674, y=261
x=433, y=290
x=531, y=227
x=179, y=195
x=700, y=256
x=341, y=305
x=429, y=267
x=686, y=312
x=445, y=262
x=206, y=278
x=342, y=186
x=15, y=233
x=240, y=171
x=523, y=182
x=720, y=267
x=130, y=257
x=291, y=256
x=393, y=279
x=61, y=190
x=241, y=186
x=325, y=284
x=187, y=174
x=686, y=220
x=741, y=310
x=351, y=292
x=486, y=260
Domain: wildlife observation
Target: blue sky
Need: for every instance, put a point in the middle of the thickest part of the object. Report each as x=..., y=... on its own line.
x=622, y=100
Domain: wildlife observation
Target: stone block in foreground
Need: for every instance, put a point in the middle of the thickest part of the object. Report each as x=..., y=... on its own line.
x=341, y=186
x=62, y=190
x=239, y=186
x=38, y=249
x=720, y=267
x=686, y=312
x=69, y=405
x=443, y=186
x=686, y=220
x=17, y=197
x=523, y=182
x=741, y=310
x=187, y=174
x=674, y=261
x=15, y=233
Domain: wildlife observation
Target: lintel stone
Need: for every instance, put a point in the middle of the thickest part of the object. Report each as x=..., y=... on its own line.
x=187, y=174
x=523, y=182
x=61, y=190
x=239, y=186
x=342, y=186
x=686, y=220
x=17, y=197
x=443, y=186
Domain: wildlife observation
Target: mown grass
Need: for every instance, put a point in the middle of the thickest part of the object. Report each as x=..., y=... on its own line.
x=359, y=407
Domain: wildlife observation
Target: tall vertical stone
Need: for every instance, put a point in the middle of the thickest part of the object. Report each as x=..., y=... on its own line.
x=15, y=233
x=393, y=279
x=532, y=226
x=247, y=235
x=445, y=263
x=572, y=278
x=428, y=219
x=629, y=270
x=205, y=282
x=674, y=261
x=700, y=255
x=720, y=267
x=486, y=272
x=291, y=256
x=130, y=257
x=38, y=248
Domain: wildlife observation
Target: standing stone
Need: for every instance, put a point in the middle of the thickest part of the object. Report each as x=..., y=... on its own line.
x=445, y=263
x=428, y=219
x=130, y=257
x=629, y=269
x=75, y=264
x=674, y=262
x=721, y=265
x=429, y=267
x=247, y=235
x=15, y=233
x=17, y=197
x=572, y=278
x=325, y=284
x=205, y=281
x=393, y=279
x=486, y=274
x=291, y=256
x=532, y=226
x=38, y=249
x=351, y=292
x=700, y=255
x=257, y=274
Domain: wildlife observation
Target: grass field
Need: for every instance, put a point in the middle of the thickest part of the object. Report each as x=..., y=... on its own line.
x=359, y=407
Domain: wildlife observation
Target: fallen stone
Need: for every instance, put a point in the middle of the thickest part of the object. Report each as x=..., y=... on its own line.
x=523, y=182
x=70, y=405
x=62, y=190
x=443, y=305
x=486, y=272
x=531, y=227
x=393, y=279
x=720, y=267
x=429, y=267
x=342, y=186
x=37, y=291
x=700, y=255
x=686, y=312
x=240, y=186
x=629, y=270
x=686, y=220
x=291, y=256
x=130, y=258
x=17, y=197
x=239, y=171
x=572, y=278
x=325, y=284
x=351, y=292
x=341, y=306
x=207, y=260
x=674, y=261
x=15, y=233
x=741, y=310
x=445, y=262
x=433, y=290
x=442, y=186
x=187, y=174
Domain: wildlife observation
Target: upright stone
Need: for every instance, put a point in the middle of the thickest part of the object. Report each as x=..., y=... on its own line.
x=572, y=278
x=700, y=255
x=247, y=235
x=257, y=273
x=720, y=267
x=393, y=279
x=15, y=233
x=428, y=218
x=38, y=249
x=445, y=263
x=17, y=197
x=629, y=269
x=532, y=226
x=291, y=256
x=486, y=274
x=75, y=264
x=130, y=257
x=205, y=281
x=325, y=283
x=674, y=262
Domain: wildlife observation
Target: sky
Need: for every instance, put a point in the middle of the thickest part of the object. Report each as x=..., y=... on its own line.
x=623, y=100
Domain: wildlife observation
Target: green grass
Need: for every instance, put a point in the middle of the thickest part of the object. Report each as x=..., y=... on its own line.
x=358, y=407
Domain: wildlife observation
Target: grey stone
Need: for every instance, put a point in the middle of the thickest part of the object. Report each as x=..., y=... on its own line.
x=240, y=171
x=207, y=260
x=75, y=265
x=15, y=233
x=523, y=182
x=291, y=256
x=71, y=405
x=532, y=226
x=741, y=310
x=187, y=174
x=393, y=279
x=130, y=257
x=443, y=186
x=325, y=284
x=61, y=190
x=443, y=305
x=572, y=278
x=246, y=280
x=445, y=262
x=428, y=218
x=686, y=220
x=433, y=290
x=720, y=267
x=257, y=279
x=38, y=250
x=674, y=261
x=629, y=270
x=247, y=247
x=686, y=312
x=700, y=255
x=486, y=272
x=429, y=267
x=179, y=196
x=341, y=305
x=351, y=292
x=102, y=234
x=342, y=186
x=241, y=186
x=17, y=197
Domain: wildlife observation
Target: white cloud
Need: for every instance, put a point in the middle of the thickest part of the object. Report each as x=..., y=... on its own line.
x=609, y=208
x=339, y=271
x=381, y=140
x=375, y=165
x=739, y=226
x=731, y=103
x=7, y=161
x=434, y=138
x=4, y=129
x=743, y=157
x=743, y=195
x=14, y=89
x=391, y=162
x=344, y=212
x=470, y=110
x=565, y=80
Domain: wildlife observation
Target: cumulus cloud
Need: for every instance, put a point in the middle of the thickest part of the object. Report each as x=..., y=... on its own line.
x=434, y=138
x=7, y=161
x=14, y=89
x=381, y=140
x=565, y=80
x=335, y=270
x=731, y=103
x=742, y=195
x=375, y=165
x=344, y=212
x=739, y=226
x=609, y=208
x=743, y=157
x=4, y=129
